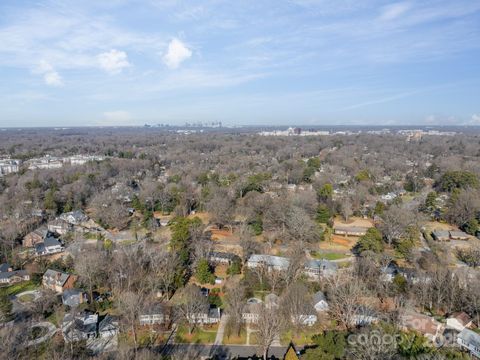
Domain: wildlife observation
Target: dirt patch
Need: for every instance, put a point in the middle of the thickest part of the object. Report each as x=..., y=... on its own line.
x=353, y=222
x=221, y=234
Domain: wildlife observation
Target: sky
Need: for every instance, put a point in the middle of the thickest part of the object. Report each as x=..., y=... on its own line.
x=260, y=62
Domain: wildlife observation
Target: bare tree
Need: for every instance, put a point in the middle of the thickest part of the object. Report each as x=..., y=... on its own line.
x=344, y=293
x=131, y=304
x=191, y=303
x=396, y=222
x=235, y=302
x=296, y=303
x=269, y=326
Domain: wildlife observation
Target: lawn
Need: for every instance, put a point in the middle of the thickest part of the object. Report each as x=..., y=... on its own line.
x=233, y=339
x=299, y=337
x=26, y=298
x=328, y=255
x=198, y=336
x=18, y=288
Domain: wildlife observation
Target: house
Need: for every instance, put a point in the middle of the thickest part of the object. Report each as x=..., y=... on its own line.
x=307, y=318
x=320, y=302
x=108, y=327
x=74, y=217
x=73, y=297
x=34, y=237
x=459, y=235
x=349, y=230
x=50, y=245
x=12, y=277
x=441, y=235
x=291, y=353
x=276, y=263
x=57, y=281
x=470, y=341
x=216, y=257
x=60, y=227
x=459, y=321
x=390, y=271
x=79, y=327
x=320, y=268
x=364, y=316
x=425, y=325
x=155, y=314
x=251, y=310
x=208, y=316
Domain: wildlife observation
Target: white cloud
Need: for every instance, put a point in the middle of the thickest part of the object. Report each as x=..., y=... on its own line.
x=475, y=119
x=177, y=53
x=393, y=11
x=113, y=61
x=50, y=75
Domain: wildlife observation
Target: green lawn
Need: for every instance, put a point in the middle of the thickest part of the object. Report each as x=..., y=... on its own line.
x=328, y=255
x=18, y=288
x=198, y=336
x=26, y=298
x=299, y=337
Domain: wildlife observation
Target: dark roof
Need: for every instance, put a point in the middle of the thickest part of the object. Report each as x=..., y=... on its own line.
x=40, y=248
x=51, y=240
x=318, y=296
x=4, y=267
x=222, y=255
x=108, y=323
x=9, y=274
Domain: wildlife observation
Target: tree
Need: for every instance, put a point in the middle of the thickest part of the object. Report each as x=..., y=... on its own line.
x=235, y=302
x=325, y=193
x=346, y=208
x=89, y=267
x=344, y=292
x=371, y=241
x=471, y=226
x=323, y=214
x=5, y=308
x=463, y=206
x=235, y=267
x=330, y=345
x=296, y=303
x=396, y=221
x=431, y=199
x=457, y=180
x=269, y=325
x=470, y=256
x=191, y=303
x=130, y=305
x=204, y=274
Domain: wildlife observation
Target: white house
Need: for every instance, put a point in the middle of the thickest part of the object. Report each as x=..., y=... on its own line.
x=271, y=262
x=251, y=310
x=470, y=341
x=320, y=302
x=459, y=321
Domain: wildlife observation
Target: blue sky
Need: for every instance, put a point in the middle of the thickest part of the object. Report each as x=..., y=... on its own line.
x=120, y=62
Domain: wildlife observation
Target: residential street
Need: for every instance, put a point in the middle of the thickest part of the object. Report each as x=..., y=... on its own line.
x=195, y=351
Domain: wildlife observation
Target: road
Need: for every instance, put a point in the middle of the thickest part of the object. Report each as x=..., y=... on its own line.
x=197, y=351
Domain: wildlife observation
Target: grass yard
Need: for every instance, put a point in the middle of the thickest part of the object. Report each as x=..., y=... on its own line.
x=26, y=298
x=233, y=339
x=300, y=337
x=18, y=288
x=328, y=255
x=198, y=336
